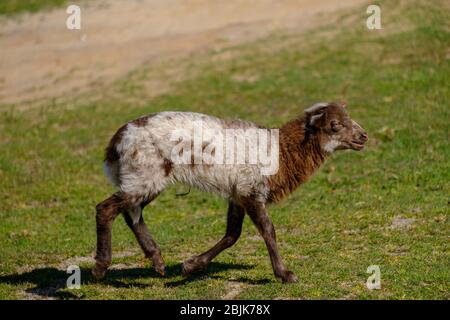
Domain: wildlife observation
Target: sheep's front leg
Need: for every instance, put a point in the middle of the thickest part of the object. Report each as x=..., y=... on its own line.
x=258, y=213
x=235, y=218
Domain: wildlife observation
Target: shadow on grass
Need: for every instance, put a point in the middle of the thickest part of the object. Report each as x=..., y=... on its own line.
x=51, y=282
x=210, y=273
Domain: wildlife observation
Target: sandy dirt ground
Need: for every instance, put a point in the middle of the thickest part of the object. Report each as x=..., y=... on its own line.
x=40, y=58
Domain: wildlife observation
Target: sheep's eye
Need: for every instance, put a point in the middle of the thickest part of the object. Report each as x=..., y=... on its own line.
x=336, y=126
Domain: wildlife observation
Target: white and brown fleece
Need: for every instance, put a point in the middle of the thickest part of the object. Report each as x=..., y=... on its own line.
x=138, y=162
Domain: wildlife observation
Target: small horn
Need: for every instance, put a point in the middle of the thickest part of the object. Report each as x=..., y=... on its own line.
x=316, y=107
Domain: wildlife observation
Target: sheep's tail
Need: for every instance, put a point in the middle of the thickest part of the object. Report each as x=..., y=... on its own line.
x=111, y=166
x=111, y=171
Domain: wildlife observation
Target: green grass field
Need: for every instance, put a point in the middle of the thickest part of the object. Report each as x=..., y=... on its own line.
x=386, y=206
x=11, y=7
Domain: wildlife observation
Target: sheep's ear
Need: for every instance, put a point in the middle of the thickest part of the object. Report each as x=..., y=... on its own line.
x=315, y=113
x=314, y=121
x=343, y=104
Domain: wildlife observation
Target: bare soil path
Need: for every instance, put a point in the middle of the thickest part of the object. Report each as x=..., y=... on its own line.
x=40, y=58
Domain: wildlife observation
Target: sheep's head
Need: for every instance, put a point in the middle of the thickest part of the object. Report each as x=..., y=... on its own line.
x=334, y=128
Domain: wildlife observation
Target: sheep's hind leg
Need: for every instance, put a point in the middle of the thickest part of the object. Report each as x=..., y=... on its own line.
x=107, y=211
x=145, y=240
x=235, y=219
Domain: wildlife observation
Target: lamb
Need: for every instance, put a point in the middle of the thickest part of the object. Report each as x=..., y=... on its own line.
x=147, y=154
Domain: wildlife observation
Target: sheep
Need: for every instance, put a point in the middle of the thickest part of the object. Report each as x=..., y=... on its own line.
x=146, y=155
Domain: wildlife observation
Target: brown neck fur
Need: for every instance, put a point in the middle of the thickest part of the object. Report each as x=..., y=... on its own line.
x=300, y=156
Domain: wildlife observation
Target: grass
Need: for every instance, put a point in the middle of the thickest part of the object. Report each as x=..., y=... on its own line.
x=329, y=231
x=10, y=7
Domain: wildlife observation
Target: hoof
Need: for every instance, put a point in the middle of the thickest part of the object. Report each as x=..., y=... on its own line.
x=98, y=273
x=158, y=264
x=192, y=265
x=160, y=270
x=288, y=277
